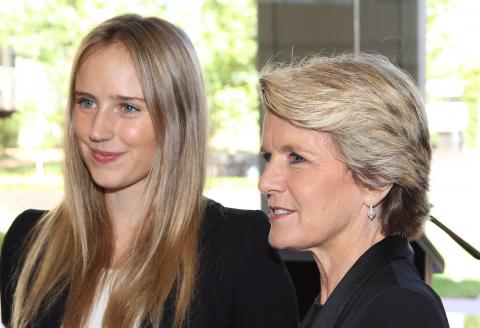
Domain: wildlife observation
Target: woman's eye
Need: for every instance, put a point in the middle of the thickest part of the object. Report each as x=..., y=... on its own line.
x=86, y=102
x=266, y=156
x=128, y=108
x=295, y=158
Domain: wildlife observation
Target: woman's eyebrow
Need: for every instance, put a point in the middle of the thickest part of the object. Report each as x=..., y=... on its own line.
x=82, y=93
x=127, y=98
x=114, y=97
x=291, y=148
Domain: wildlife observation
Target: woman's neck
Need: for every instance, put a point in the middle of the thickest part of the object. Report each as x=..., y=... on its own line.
x=336, y=259
x=126, y=209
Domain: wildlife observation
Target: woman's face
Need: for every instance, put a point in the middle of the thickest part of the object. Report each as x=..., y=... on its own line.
x=313, y=198
x=111, y=121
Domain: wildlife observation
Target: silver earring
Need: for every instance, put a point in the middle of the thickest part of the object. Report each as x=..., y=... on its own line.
x=372, y=212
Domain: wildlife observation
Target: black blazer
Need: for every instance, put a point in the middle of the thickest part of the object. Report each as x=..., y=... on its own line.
x=382, y=289
x=242, y=281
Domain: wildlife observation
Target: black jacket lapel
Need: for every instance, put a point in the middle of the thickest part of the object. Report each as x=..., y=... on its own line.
x=376, y=257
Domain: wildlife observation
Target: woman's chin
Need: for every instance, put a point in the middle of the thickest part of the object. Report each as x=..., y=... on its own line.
x=280, y=242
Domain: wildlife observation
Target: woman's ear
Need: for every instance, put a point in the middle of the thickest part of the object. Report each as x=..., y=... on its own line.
x=375, y=196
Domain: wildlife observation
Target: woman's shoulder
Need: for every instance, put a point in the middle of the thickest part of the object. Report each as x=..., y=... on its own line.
x=240, y=233
x=234, y=221
x=215, y=208
x=237, y=264
x=23, y=223
x=398, y=297
x=19, y=230
x=13, y=248
x=405, y=307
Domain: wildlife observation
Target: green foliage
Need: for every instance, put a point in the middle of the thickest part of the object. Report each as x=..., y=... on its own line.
x=434, y=140
x=50, y=169
x=439, y=63
x=9, y=128
x=470, y=132
x=446, y=287
x=2, y=235
x=24, y=177
x=472, y=321
x=470, y=72
x=49, y=32
x=438, y=38
x=229, y=44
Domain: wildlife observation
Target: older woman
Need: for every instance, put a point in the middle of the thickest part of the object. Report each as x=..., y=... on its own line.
x=347, y=154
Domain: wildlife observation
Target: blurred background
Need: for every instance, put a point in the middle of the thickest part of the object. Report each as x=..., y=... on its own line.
x=434, y=40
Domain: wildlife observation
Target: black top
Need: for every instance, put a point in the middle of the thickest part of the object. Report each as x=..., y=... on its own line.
x=312, y=314
x=382, y=289
x=242, y=281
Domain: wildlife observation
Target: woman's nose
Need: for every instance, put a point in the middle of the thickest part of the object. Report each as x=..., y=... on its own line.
x=102, y=126
x=271, y=180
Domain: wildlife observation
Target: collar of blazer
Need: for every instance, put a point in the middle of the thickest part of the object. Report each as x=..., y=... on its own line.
x=371, y=261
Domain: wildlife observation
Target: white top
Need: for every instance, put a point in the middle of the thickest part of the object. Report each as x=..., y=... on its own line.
x=101, y=300
x=100, y=303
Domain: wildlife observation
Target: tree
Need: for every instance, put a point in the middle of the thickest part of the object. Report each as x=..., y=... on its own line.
x=229, y=47
x=450, y=54
x=48, y=32
x=438, y=38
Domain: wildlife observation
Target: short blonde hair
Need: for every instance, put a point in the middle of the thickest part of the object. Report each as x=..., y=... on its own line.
x=376, y=118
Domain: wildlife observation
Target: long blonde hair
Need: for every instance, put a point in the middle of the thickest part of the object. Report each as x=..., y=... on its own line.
x=72, y=245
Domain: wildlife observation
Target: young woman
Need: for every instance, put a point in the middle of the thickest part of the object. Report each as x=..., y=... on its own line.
x=134, y=243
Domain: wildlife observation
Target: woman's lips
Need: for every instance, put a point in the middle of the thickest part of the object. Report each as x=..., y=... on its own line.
x=105, y=157
x=278, y=213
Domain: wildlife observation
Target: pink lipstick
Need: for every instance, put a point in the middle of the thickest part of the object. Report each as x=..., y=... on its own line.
x=105, y=157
